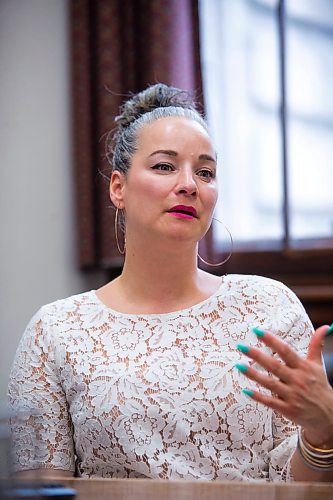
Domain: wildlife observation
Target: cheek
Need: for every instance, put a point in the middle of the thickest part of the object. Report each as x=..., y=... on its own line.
x=145, y=193
x=153, y=188
x=212, y=196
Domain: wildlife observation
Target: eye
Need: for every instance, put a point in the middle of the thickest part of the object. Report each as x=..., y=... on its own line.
x=206, y=173
x=163, y=167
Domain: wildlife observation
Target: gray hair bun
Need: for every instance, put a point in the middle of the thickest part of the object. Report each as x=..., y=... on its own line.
x=155, y=96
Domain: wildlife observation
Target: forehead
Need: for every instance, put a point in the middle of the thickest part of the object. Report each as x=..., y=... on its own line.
x=174, y=131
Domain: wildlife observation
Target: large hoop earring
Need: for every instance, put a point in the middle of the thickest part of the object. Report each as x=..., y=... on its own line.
x=230, y=252
x=123, y=250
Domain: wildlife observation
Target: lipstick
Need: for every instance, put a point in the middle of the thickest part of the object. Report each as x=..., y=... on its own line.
x=183, y=211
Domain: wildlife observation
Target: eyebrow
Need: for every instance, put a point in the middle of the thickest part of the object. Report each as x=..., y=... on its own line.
x=170, y=152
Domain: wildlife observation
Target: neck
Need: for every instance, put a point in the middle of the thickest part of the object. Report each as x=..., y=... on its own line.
x=157, y=278
x=160, y=271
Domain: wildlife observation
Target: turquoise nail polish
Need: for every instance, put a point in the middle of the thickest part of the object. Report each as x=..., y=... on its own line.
x=243, y=348
x=258, y=332
x=248, y=393
x=329, y=331
x=241, y=368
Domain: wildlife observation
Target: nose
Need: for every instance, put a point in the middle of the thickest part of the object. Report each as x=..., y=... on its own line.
x=186, y=183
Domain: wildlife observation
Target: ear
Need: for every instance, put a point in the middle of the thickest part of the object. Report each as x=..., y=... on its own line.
x=116, y=189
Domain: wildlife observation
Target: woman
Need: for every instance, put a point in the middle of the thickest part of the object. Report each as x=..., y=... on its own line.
x=146, y=377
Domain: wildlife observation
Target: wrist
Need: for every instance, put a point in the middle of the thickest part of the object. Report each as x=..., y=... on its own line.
x=318, y=458
x=322, y=439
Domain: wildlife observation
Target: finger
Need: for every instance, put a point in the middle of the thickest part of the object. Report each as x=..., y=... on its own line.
x=317, y=343
x=269, y=401
x=284, y=350
x=273, y=384
x=267, y=361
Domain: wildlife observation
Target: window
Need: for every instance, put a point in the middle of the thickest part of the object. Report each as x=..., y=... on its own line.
x=268, y=80
x=268, y=84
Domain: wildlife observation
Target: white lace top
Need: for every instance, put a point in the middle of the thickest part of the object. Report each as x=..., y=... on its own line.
x=153, y=395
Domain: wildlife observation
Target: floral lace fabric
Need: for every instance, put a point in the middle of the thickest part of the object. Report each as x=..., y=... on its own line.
x=115, y=395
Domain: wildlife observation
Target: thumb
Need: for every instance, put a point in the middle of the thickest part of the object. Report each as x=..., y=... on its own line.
x=317, y=343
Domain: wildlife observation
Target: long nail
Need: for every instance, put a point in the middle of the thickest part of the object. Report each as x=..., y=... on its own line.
x=248, y=392
x=243, y=348
x=241, y=368
x=329, y=331
x=258, y=332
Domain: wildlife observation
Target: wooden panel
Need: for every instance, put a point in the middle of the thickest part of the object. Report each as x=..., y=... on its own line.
x=147, y=489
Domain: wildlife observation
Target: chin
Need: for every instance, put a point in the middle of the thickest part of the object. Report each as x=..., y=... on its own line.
x=182, y=235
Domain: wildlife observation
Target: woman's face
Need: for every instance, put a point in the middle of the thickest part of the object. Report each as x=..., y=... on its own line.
x=170, y=189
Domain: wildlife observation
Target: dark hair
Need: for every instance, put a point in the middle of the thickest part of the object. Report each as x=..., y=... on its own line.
x=155, y=102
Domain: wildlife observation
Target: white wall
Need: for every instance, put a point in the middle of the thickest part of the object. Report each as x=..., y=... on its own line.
x=37, y=222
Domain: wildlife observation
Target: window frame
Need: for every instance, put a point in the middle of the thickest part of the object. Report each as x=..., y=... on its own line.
x=306, y=265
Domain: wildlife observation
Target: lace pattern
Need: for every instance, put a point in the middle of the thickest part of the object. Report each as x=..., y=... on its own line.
x=116, y=395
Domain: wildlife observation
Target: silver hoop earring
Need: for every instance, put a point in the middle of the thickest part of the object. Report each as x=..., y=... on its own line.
x=123, y=250
x=230, y=252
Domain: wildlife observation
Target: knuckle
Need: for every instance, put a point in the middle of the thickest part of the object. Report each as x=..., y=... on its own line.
x=273, y=385
x=277, y=366
x=304, y=381
x=312, y=380
x=284, y=350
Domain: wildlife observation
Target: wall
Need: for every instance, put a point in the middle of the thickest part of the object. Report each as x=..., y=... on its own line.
x=37, y=220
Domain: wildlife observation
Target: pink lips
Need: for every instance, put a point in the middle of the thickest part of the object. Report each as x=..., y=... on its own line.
x=183, y=212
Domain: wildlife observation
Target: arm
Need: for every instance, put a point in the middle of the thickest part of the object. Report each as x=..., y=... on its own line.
x=41, y=426
x=302, y=472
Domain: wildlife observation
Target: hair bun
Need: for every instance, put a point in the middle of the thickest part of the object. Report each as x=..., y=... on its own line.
x=155, y=96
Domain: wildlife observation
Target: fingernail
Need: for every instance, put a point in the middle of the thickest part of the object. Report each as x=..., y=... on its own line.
x=243, y=348
x=241, y=368
x=248, y=393
x=329, y=331
x=258, y=332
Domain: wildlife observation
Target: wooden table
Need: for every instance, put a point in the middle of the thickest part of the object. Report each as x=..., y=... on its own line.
x=149, y=489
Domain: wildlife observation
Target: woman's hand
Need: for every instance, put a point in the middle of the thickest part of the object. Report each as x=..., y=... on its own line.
x=299, y=386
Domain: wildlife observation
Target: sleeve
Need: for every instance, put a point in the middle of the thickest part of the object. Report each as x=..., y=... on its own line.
x=293, y=325
x=42, y=434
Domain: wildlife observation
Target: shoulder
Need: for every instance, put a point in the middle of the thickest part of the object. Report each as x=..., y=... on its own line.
x=254, y=282
x=58, y=320
x=63, y=309
x=275, y=305
x=261, y=289
x=71, y=303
